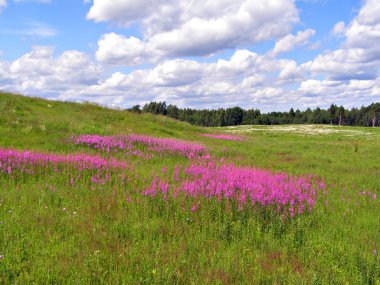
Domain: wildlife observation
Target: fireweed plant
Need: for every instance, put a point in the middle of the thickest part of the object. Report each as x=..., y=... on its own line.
x=199, y=180
x=130, y=144
x=246, y=187
x=71, y=169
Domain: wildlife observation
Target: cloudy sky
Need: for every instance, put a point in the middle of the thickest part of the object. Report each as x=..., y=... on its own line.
x=271, y=55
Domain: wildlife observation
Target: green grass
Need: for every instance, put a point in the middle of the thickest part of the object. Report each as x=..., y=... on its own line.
x=75, y=235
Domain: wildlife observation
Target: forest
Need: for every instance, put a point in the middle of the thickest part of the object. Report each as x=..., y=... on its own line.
x=366, y=116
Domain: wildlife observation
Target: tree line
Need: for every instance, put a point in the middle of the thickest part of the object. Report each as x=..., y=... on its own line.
x=367, y=116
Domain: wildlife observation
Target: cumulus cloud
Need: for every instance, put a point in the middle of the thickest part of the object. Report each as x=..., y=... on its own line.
x=291, y=71
x=121, y=11
x=119, y=50
x=359, y=56
x=171, y=30
x=173, y=73
x=190, y=28
x=358, y=91
x=246, y=79
x=39, y=72
x=349, y=75
x=181, y=78
x=344, y=64
x=289, y=42
x=251, y=22
x=364, y=31
x=352, y=74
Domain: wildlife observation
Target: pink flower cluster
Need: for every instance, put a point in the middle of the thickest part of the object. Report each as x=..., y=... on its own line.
x=288, y=194
x=128, y=143
x=370, y=194
x=224, y=137
x=167, y=145
x=15, y=159
x=202, y=179
x=107, y=143
x=17, y=163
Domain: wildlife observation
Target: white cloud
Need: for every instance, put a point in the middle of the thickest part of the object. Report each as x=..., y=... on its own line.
x=351, y=72
x=290, y=71
x=4, y=71
x=241, y=61
x=173, y=73
x=289, y=42
x=251, y=22
x=339, y=29
x=348, y=93
x=369, y=13
x=344, y=64
x=348, y=75
x=246, y=79
x=359, y=57
x=3, y=4
x=121, y=11
x=39, y=72
x=119, y=50
x=190, y=28
x=364, y=31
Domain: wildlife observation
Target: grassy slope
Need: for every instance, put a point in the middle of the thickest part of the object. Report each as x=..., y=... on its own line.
x=109, y=240
x=38, y=123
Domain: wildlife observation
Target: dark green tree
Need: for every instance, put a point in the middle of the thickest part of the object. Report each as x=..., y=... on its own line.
x=341, y=115
x=233, y=116
x=333, y=112
x=157, y=108
x=135, y=109
x=173, y=111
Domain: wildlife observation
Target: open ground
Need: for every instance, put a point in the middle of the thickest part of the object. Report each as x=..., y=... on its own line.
x=90, y=195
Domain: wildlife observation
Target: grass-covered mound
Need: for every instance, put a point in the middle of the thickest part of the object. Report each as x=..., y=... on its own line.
x=90, y=195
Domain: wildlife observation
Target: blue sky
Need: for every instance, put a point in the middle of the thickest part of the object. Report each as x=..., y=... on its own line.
x=271, y=55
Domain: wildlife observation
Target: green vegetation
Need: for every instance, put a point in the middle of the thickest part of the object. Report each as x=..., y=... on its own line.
x=366, y=116
x=79, y=235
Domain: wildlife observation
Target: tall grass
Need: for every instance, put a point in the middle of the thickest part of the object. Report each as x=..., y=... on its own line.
x=160, y=220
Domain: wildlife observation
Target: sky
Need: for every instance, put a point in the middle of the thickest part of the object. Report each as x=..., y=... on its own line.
x=206, y=54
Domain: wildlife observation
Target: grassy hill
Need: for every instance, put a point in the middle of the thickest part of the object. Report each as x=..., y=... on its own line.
x=80, y=220
x=34, y=122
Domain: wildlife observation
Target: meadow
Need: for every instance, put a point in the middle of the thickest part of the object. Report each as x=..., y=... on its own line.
x=90, y=195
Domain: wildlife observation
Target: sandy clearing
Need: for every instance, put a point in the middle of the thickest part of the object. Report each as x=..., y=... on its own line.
x=303, y=129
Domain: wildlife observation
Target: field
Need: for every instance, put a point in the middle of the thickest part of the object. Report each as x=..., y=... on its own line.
x=96, y=196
